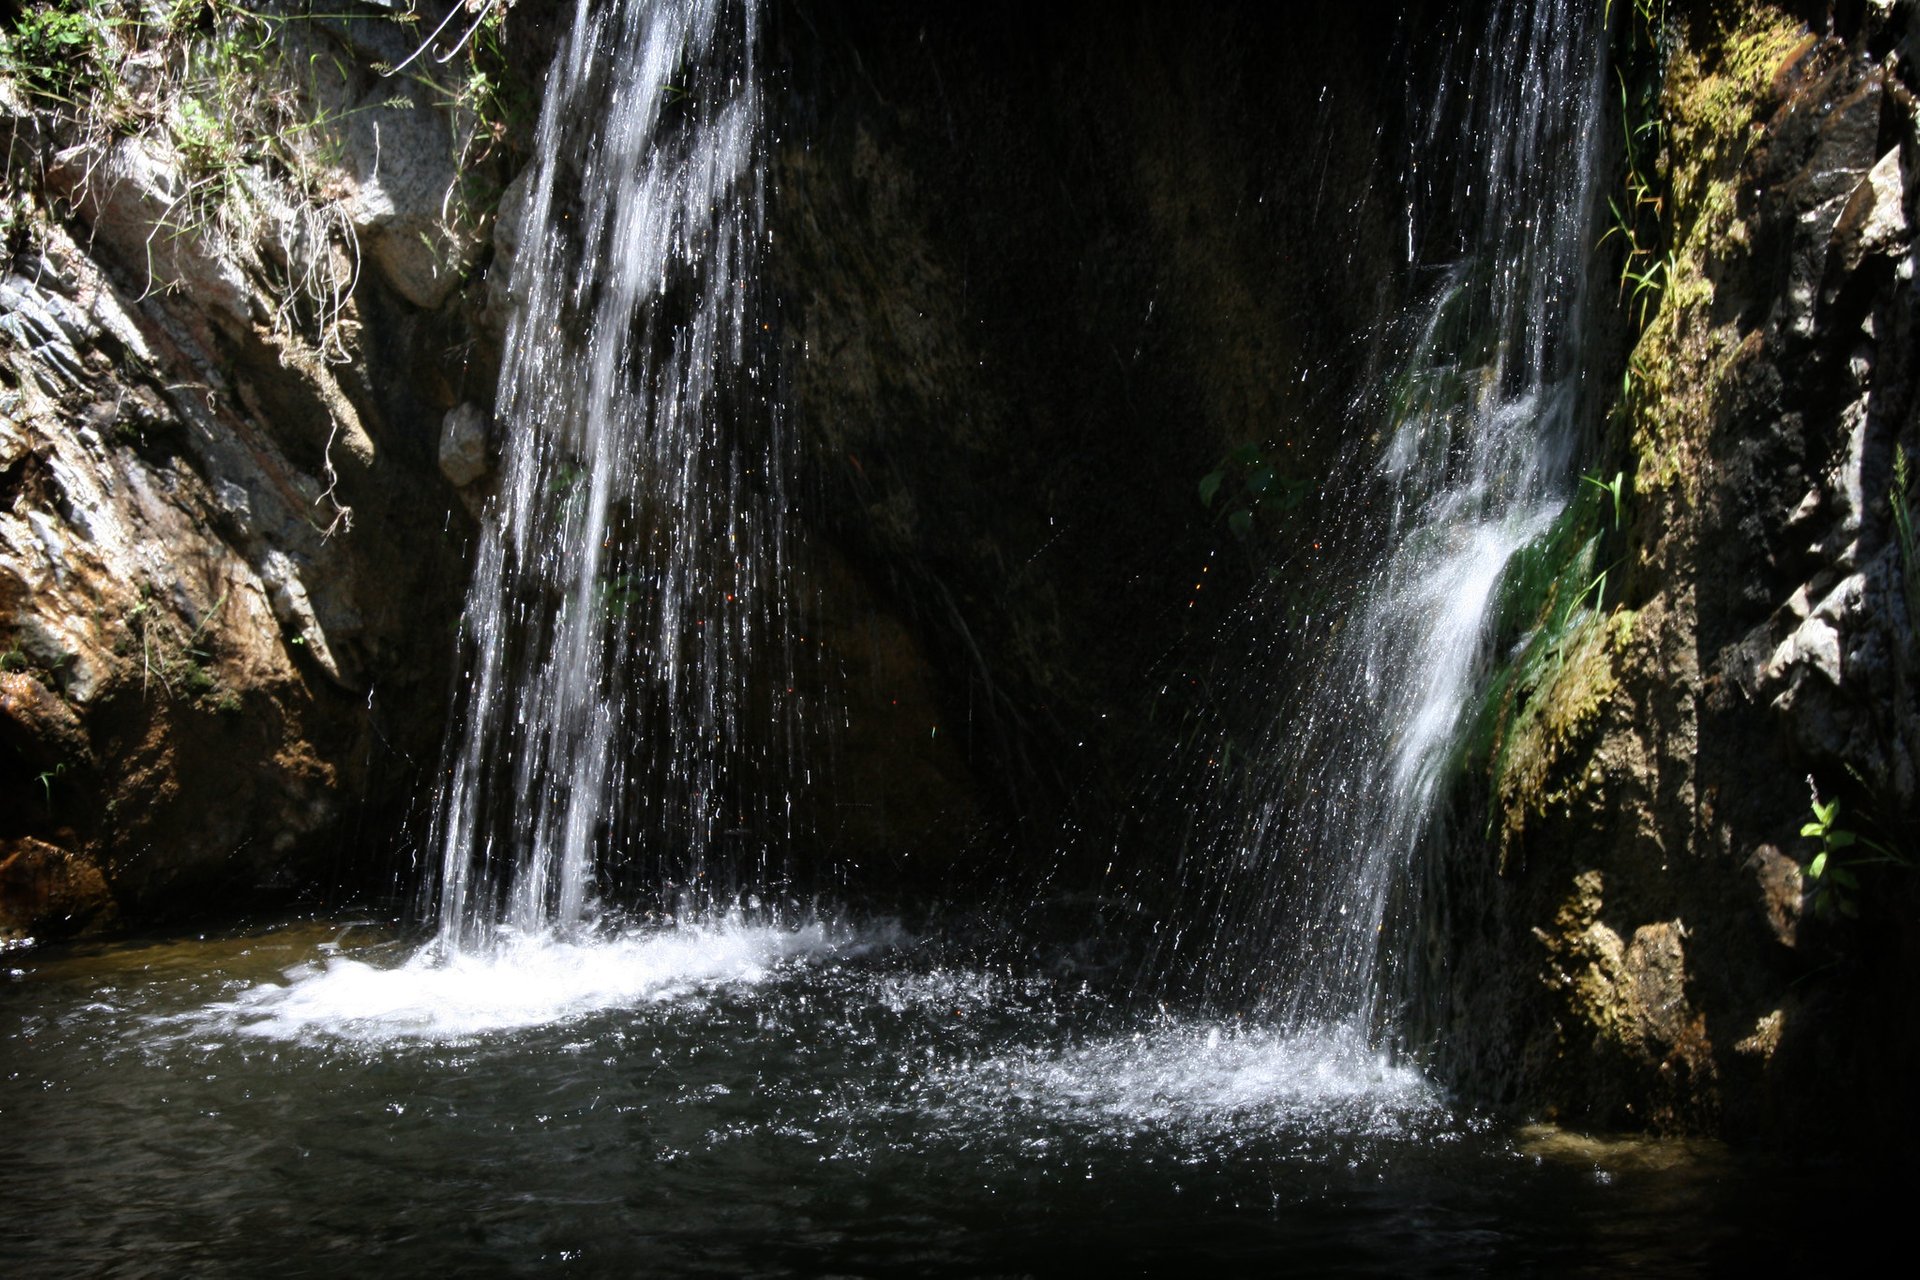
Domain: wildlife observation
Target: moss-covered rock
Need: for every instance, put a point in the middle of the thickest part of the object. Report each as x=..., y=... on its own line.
x=1662, y=771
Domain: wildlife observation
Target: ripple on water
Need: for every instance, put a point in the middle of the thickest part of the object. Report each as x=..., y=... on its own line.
x=703, y=1089
x=1029, y=1053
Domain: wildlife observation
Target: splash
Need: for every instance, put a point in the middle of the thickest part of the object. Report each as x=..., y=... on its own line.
x=1204, y=1078
x=522, y=982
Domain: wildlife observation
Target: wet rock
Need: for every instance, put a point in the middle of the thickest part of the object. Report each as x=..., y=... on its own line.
x=38, y=723
x=191, y=701
x=1650, y=1058
x=1769, y=638
x=45, y=326
x=1874, y=223
x=463, y=445
x=1813, y=648
x=1008, y=374
x=47, y=892
x=509, y=220
x=1764, y=1040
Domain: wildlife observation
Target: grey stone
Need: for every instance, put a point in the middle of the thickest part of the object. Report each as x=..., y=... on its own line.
x=509, y=226
x=1814, y=645
x=1875, y=220
x=463, y=444
x=406, y=180
x=135, y=196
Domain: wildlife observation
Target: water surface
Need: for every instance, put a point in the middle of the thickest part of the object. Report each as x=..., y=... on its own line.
x=748, y=1100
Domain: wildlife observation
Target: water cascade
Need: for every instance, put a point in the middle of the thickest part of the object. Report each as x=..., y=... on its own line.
x=631, y=570
x=1469, y=436
x=553, y=1083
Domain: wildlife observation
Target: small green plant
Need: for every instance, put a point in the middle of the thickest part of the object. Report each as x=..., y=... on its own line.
x=13, y=659
x=178, y=665
x=1614, y=489
x=1261, y=489
x=55, y=51
x=1834, y=885
x=1650, y=281
x=613, y=597
x=1648, y=262
x=46, y=779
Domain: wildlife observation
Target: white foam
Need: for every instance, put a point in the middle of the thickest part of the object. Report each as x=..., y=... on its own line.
x=523, y=983
x=1206, y=1076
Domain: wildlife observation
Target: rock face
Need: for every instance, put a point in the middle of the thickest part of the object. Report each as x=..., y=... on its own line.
x=463, y=445
x=1038, y=275
x=1645, y=944
x=228, y=563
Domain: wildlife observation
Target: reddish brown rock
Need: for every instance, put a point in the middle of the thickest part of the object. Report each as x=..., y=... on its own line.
x=47, y=892
x=37, y=722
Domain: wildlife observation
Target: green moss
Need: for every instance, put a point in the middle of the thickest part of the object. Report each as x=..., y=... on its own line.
x=1556, y=724
x=1543, y=715
x=1717, y=91
x=1550, y=599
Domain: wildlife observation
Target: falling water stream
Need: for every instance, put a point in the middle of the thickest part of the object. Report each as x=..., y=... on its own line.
x=631, y=570
x=620, y=1050
x=1312, y=900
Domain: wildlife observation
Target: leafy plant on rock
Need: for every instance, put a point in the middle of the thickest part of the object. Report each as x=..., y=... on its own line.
x=1833, y=872
x=55, y=51
x=1835, y=886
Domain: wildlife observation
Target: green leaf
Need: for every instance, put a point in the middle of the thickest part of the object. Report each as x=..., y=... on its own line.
x=1241, y=522
x=1842, y=877
x=1839, y=839
x=1818, y=866
x=1246, y=455
x=1813, y=829
x=1261, y=480
x=1210, y=486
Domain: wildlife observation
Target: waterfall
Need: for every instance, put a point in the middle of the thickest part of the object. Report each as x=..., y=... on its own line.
x=631, y=568
x=1470, y=433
